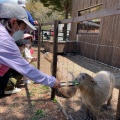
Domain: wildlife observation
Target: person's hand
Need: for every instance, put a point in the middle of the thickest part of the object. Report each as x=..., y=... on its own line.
x=33, y=60
x=35, y=22
x=57, y=84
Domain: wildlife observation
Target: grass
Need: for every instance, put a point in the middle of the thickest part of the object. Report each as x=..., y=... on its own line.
x=38, y=114
x=44, y=87
x=55, y=100
x=14, y=105
x=31, y=93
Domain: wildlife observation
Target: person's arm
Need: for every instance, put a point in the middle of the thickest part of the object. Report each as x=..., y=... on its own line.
x=28, y=54
x=31, y=20
x=11, y=57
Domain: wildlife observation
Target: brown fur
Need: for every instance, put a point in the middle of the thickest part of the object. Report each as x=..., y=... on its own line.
x=62, y=76
x=96, y=90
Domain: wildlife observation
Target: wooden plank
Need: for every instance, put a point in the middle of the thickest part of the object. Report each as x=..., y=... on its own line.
x=39, y=41
x=66, y=21
x=78, y=3
x=89, y=33
x=55, y=49
x=49, y=23
x=99, y=2
x=83, y=4
x=113, y=32
x=73, y=8
x=117, y=32
x=106, y=32
x=118, y=108
x=102, y=13
x=102, y=28
x=82, y=7
x=93, y=3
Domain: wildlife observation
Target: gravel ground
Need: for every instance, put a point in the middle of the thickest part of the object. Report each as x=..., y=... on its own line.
x=76, y=64
x=32, y=103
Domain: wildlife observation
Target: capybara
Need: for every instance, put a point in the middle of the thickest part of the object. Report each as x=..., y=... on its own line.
x=96, y=90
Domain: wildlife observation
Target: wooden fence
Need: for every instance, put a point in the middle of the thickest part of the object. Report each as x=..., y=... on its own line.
x=111, y=11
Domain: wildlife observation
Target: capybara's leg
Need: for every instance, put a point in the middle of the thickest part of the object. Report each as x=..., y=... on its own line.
x=109, y=102
x=91, y=115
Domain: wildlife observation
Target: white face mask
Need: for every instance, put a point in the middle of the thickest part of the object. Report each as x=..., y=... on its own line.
x=18, y=35
x=27, y=41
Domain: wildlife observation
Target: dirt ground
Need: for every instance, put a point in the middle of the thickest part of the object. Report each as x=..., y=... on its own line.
x=33, y=102
x=77, y=64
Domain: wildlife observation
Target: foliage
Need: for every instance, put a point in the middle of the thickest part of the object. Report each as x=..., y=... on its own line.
x=55, y=100
x=38, y=114
x=44, y=87
x=41, y=13
x=64, y=6
x=59, y=5
x=49, y=13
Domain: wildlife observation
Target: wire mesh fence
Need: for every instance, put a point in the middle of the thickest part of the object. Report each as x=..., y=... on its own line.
x=74, y=63
x=82, y=56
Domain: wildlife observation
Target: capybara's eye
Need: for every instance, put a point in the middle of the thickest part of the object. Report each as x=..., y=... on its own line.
x=92, y=81
x=83, y=76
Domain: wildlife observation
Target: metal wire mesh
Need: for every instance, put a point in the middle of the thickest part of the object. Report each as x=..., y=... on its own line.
x=76, y=64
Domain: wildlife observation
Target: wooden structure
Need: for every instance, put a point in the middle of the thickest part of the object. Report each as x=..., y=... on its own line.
x=100, y=43
x=63, y=46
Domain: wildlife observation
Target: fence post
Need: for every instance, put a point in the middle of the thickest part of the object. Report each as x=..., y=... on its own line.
x=55, y=49
x=42, y=35
x=118, y=107
x=39, y=45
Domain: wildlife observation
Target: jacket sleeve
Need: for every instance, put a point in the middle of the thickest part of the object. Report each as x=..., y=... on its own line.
x=11, y=57
x=31, y=20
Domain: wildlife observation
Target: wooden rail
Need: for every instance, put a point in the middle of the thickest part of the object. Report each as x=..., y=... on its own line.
x=102, y=13
x=39, y=44
x=55, y=49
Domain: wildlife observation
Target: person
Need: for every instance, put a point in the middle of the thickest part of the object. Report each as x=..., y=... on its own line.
x=15, y=77
x=27, y=53
x=11, y=15
x=28, y=50
x=30, y=18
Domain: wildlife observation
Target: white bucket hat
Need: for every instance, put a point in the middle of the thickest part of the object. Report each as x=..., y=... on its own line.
x=12, y=10
x=22, y=3
x=8, y=1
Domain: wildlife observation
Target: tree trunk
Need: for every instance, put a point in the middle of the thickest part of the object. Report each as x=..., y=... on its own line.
x=65, y=25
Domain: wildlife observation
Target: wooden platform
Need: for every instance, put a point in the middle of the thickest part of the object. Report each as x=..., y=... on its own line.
x=63, y=46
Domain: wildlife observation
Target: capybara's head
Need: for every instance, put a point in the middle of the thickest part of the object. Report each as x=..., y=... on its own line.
x=84, y=79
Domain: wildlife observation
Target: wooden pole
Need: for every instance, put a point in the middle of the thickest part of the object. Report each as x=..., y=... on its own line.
x=39, y=41
x=42, y=36
x=55, y=49
x=118, y=107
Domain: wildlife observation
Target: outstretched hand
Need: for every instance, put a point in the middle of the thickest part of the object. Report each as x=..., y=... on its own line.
x=57, y=84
